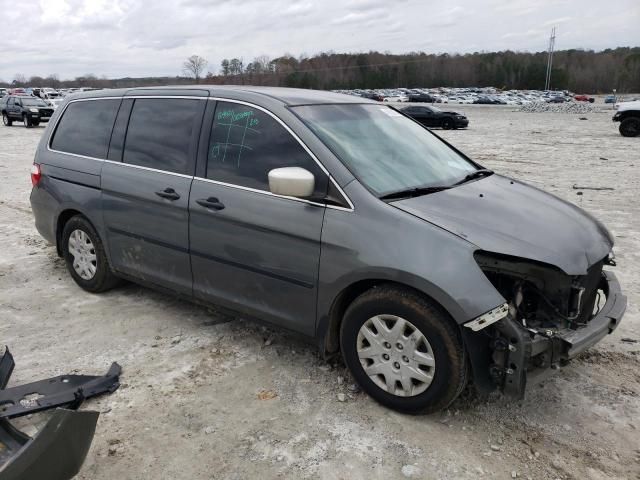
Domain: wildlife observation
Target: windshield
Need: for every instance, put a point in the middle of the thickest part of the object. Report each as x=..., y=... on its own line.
x=33, y=102
x=385, y=150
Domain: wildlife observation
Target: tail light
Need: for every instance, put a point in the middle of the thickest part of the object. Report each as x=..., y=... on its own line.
x=36, y=174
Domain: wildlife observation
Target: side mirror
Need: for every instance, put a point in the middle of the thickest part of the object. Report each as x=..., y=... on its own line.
x=291, y=182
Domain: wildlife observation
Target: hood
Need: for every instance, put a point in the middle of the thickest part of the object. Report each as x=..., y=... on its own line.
x=634, y=105
x=505, y=216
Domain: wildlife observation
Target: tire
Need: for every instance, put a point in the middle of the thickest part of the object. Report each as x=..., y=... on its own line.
x=391, y=304
x=92, y=271
x=630, y=127
x=26, y=121
x=6, y=120
x=35, y=123
x=447, y=124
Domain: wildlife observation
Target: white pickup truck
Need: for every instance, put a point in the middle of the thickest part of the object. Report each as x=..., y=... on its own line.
x=628, y=114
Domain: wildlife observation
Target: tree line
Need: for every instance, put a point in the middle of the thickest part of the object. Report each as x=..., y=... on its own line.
x=576, y=70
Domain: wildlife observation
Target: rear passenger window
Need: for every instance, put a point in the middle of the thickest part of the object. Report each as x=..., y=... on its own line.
x=246, y=143
x=161, y=133
x=85, y=128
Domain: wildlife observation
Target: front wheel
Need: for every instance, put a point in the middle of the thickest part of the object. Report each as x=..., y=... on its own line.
x=6, y=120
x=630, y=127
x=85, y=256
x=26, y=121
x=447, y=124
x=403, y=350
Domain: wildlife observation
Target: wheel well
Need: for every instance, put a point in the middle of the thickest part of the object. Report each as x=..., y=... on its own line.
x=63, y=218
x=630, y=114
x=345, y=298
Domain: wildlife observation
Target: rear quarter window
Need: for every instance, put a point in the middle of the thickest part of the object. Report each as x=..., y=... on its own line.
x=85, y=128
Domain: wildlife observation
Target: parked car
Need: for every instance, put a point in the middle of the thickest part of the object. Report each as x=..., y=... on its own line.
x=584, y=98
x=373, y=96
x=556, y=99
x=26, y=109
x=434, y=117
x=628, y=114
x=55, y=102
x=396, y=98
x=486, y=101
x=335, y=217
x=421, y=98
x=610, y=99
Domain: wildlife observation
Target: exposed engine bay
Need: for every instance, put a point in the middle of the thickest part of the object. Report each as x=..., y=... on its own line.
x=549, y=317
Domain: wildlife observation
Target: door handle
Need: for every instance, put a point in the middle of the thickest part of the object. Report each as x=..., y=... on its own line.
x=169, y=193
x=212, y=202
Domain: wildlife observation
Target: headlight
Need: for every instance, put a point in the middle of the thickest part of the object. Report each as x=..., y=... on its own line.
x=34, y=110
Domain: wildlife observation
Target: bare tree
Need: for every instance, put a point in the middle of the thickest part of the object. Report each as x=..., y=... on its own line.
x=194, y=66
x=52, y=80
x=19, y=79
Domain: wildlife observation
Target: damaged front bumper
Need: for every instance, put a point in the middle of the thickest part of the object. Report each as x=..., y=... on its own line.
x=58, y=450
x=516, y=355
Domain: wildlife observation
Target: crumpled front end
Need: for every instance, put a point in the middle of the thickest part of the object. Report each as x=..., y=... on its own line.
x=549, y=317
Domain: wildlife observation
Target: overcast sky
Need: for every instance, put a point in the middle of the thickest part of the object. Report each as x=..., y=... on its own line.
x=136, y=38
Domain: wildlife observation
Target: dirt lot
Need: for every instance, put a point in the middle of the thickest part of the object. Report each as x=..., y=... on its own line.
x=209, y=397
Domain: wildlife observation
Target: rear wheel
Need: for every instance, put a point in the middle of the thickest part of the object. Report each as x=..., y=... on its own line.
x=447, y=124
x=6, y=120
x=403, y=350
x=630, y=127
x=85, y=256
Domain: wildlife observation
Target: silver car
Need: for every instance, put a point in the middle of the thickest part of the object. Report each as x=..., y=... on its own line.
x=332, y=216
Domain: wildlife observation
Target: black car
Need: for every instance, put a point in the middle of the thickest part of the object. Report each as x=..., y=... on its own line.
x=26, y=109
x=434, y=117
x=421, y=98
x=488, y=101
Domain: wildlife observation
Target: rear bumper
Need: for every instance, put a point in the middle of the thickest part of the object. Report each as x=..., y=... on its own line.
x=44, y=207
x=530, y=356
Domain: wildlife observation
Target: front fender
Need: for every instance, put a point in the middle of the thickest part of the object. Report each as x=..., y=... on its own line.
x=384, y=243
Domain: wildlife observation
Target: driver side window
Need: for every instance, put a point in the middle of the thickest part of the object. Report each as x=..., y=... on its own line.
x=246, y=144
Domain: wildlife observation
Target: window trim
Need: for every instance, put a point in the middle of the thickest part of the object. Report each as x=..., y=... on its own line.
x=351, y=207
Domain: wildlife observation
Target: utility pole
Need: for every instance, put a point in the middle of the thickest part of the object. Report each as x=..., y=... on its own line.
x=552, y=43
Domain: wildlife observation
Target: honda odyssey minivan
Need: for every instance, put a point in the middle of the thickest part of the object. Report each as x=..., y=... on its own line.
x=333, y=216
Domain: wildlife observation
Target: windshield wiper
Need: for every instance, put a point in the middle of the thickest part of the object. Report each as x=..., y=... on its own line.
x=413, y=192
x=475, y=174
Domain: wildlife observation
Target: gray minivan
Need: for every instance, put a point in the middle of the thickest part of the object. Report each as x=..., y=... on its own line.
x=332, y=216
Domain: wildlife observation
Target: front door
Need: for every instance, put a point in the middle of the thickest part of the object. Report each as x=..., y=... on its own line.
x=253, y=251
x=14, y=110
x=146, y=195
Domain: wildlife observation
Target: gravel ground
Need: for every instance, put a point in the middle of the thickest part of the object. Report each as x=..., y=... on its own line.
x=205, y=396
